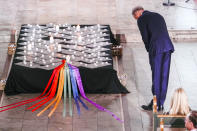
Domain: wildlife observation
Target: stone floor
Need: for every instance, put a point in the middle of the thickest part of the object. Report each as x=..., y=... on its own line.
x=117, y=13
x=127, y=107
x=183, y=74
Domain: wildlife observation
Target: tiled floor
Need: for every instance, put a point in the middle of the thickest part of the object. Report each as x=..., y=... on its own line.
x=135, y=64
x=91, y=120
x=127, y=107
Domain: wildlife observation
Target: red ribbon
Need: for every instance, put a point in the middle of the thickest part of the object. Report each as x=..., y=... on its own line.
x=39, y=97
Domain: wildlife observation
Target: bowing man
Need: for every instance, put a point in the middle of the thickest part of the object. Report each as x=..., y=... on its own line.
x=157, y=42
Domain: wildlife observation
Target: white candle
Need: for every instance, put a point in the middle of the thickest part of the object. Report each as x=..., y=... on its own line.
x=57, y=28
x=51, y=39
x=68, y=58
x=24, y=62
x=29, y=47
x=59, y=48
x=79, y=38
x=78, y=28
x=98, y=25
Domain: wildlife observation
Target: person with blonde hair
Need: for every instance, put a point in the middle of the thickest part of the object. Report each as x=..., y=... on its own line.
x=179, y=103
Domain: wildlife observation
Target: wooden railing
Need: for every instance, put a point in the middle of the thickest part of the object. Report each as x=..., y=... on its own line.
x=169, y=121
x=10, y=52
x=12, y=44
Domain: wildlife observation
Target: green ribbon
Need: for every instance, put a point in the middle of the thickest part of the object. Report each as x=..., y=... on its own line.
x=65, y=93
x=69, y=90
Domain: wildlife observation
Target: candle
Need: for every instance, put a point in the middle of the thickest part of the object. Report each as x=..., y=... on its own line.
x=29, y=47
x=79, y=38
x=57, y=28
x=59, y=48
x=24, y=62
x=51, y=39
x=31, y=63
x=68, y=58
x=98, y=25
x=78, y=28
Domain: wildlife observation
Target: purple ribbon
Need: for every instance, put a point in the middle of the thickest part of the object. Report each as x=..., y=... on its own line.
x=80, y=86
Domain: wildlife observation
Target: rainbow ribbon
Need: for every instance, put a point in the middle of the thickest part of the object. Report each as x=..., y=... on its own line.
x=64, y=81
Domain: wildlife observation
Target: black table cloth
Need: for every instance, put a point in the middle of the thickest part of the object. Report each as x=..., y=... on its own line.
x=23, y=79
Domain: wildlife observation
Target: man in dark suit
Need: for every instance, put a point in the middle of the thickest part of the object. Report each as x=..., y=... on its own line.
x=157, y=42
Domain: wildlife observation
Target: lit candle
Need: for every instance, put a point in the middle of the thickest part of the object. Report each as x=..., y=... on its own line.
x=98, y=25
x=29, y=47
x=51, y=39
x=31, y=63
x=57, y=28
x=59, y=48
x=24, y=62
x=79, y=38
x=68, y=58
x=78, y=28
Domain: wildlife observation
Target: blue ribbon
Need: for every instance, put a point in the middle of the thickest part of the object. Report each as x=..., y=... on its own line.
x=75, y=82
x=75, y=91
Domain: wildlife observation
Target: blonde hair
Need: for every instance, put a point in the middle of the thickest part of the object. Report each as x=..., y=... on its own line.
x=179, y=103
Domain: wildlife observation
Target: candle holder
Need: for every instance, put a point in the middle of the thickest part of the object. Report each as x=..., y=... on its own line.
x=85, y=46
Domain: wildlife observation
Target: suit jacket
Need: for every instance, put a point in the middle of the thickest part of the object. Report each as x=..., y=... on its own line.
x=154, y=33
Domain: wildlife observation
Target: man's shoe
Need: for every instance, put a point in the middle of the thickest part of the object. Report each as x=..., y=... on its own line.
x=148, y=107
x=160, y=108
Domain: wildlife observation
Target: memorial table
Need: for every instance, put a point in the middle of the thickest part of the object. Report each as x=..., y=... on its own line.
x=94, y=61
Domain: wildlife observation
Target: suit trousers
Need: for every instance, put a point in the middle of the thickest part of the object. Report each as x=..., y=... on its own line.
x=160, y=66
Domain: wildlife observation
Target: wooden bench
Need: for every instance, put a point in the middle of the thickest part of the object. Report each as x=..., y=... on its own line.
x=166, y=121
